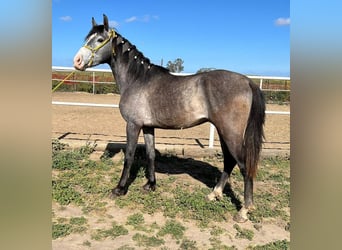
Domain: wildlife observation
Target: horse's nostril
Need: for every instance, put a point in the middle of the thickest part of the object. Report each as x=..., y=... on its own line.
x=78, y=60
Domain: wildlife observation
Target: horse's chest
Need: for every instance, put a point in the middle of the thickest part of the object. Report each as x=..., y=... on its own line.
x=135, y=110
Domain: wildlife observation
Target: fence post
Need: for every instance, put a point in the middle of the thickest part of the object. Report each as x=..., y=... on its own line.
x=93, y=82
x=211, y=135
x=260, y=83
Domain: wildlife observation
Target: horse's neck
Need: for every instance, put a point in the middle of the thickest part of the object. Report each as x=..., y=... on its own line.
x=120, y=64
x=120, y=78
x=129, y=65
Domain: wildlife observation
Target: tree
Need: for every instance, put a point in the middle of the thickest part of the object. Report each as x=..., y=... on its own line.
x=205, y=70
x=175, y=66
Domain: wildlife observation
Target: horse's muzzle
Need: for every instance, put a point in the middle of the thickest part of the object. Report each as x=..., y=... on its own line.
x=78, y=62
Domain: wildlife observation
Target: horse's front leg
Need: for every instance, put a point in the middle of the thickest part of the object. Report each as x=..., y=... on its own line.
x=150, y=152
x=132, y=131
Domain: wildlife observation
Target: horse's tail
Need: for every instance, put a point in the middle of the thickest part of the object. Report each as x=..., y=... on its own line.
x=254, y=134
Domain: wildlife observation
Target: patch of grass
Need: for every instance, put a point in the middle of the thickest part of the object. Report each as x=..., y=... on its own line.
x=85, y=183
x=243, y=233
x=270, y=202
x=113, y=232
x=193, y=205
x=146, y=241
x=216, y=244
x=188, y=245
x=78, y=221
x=64, y=193
x=60, y=230
x=69, y=159
x=64, y=226
x=126, y=247
x=87, y=149
x=137, y=221
x=57, y=146
x=78, y=179
x=173, y=228
x=216, y=231
x=66, y=160
x=178, y=200
x=78, y=224
x=276, y=245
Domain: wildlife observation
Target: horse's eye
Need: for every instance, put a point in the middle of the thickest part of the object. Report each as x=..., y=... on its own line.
x=100, y=40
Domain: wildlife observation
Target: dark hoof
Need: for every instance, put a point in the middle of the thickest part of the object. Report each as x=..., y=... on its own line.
x=116, y=192
x=149, y=187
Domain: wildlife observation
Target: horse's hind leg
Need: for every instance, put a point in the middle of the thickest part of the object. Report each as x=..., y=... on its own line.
x=150, y=152
x=233, y=153
x=241, y=216
x=229, y=163
x=239, y=155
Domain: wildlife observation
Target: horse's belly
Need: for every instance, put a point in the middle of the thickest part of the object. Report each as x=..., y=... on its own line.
x=177, y=121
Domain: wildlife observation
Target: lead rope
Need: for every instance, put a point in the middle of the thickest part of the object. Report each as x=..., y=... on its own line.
x=60, y=83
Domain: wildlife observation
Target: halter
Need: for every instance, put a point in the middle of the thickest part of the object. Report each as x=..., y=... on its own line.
x=112, y=34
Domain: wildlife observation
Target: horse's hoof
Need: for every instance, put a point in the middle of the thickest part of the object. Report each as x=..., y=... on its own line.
x=211, y=197
x=116, y=192
x=238, y=218
x=241, y=216
x=149, y=187
x=214, y=195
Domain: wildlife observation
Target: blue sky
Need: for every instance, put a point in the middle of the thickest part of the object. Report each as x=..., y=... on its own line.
x=246, y=36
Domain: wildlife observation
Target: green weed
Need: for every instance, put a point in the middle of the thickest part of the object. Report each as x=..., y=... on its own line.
x=113, y=232
x=64, y=227
x=137, y=221
x=216, y=231
x=173, y=228
x=195, y=206
x=64, y=193
x=60, y=230
x=57, y=146
x=126, y=247
x=243, y=233
x=145, y=241
x=276, y=245
x=216, y=244
x=188, y=245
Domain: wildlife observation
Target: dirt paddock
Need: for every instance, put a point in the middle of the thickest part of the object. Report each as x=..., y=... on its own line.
x=77, y=125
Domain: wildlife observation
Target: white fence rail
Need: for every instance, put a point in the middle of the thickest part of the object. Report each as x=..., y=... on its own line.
x=212, y=127
x=93, y=81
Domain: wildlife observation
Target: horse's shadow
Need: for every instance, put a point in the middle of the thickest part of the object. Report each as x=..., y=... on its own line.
x=170, y=164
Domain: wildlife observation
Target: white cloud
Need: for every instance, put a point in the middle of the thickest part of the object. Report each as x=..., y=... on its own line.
x=282, y=21
x=131, y=19
x=113, y=24
x=145, y=18
x=65, y=18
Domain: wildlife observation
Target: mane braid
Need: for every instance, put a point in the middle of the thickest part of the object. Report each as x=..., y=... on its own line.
x=138, y=66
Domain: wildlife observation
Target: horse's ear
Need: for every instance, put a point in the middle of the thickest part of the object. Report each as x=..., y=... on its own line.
x=93, y=22
x=105, y=22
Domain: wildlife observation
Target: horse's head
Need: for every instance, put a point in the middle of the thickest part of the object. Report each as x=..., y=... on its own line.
x=97, y=48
